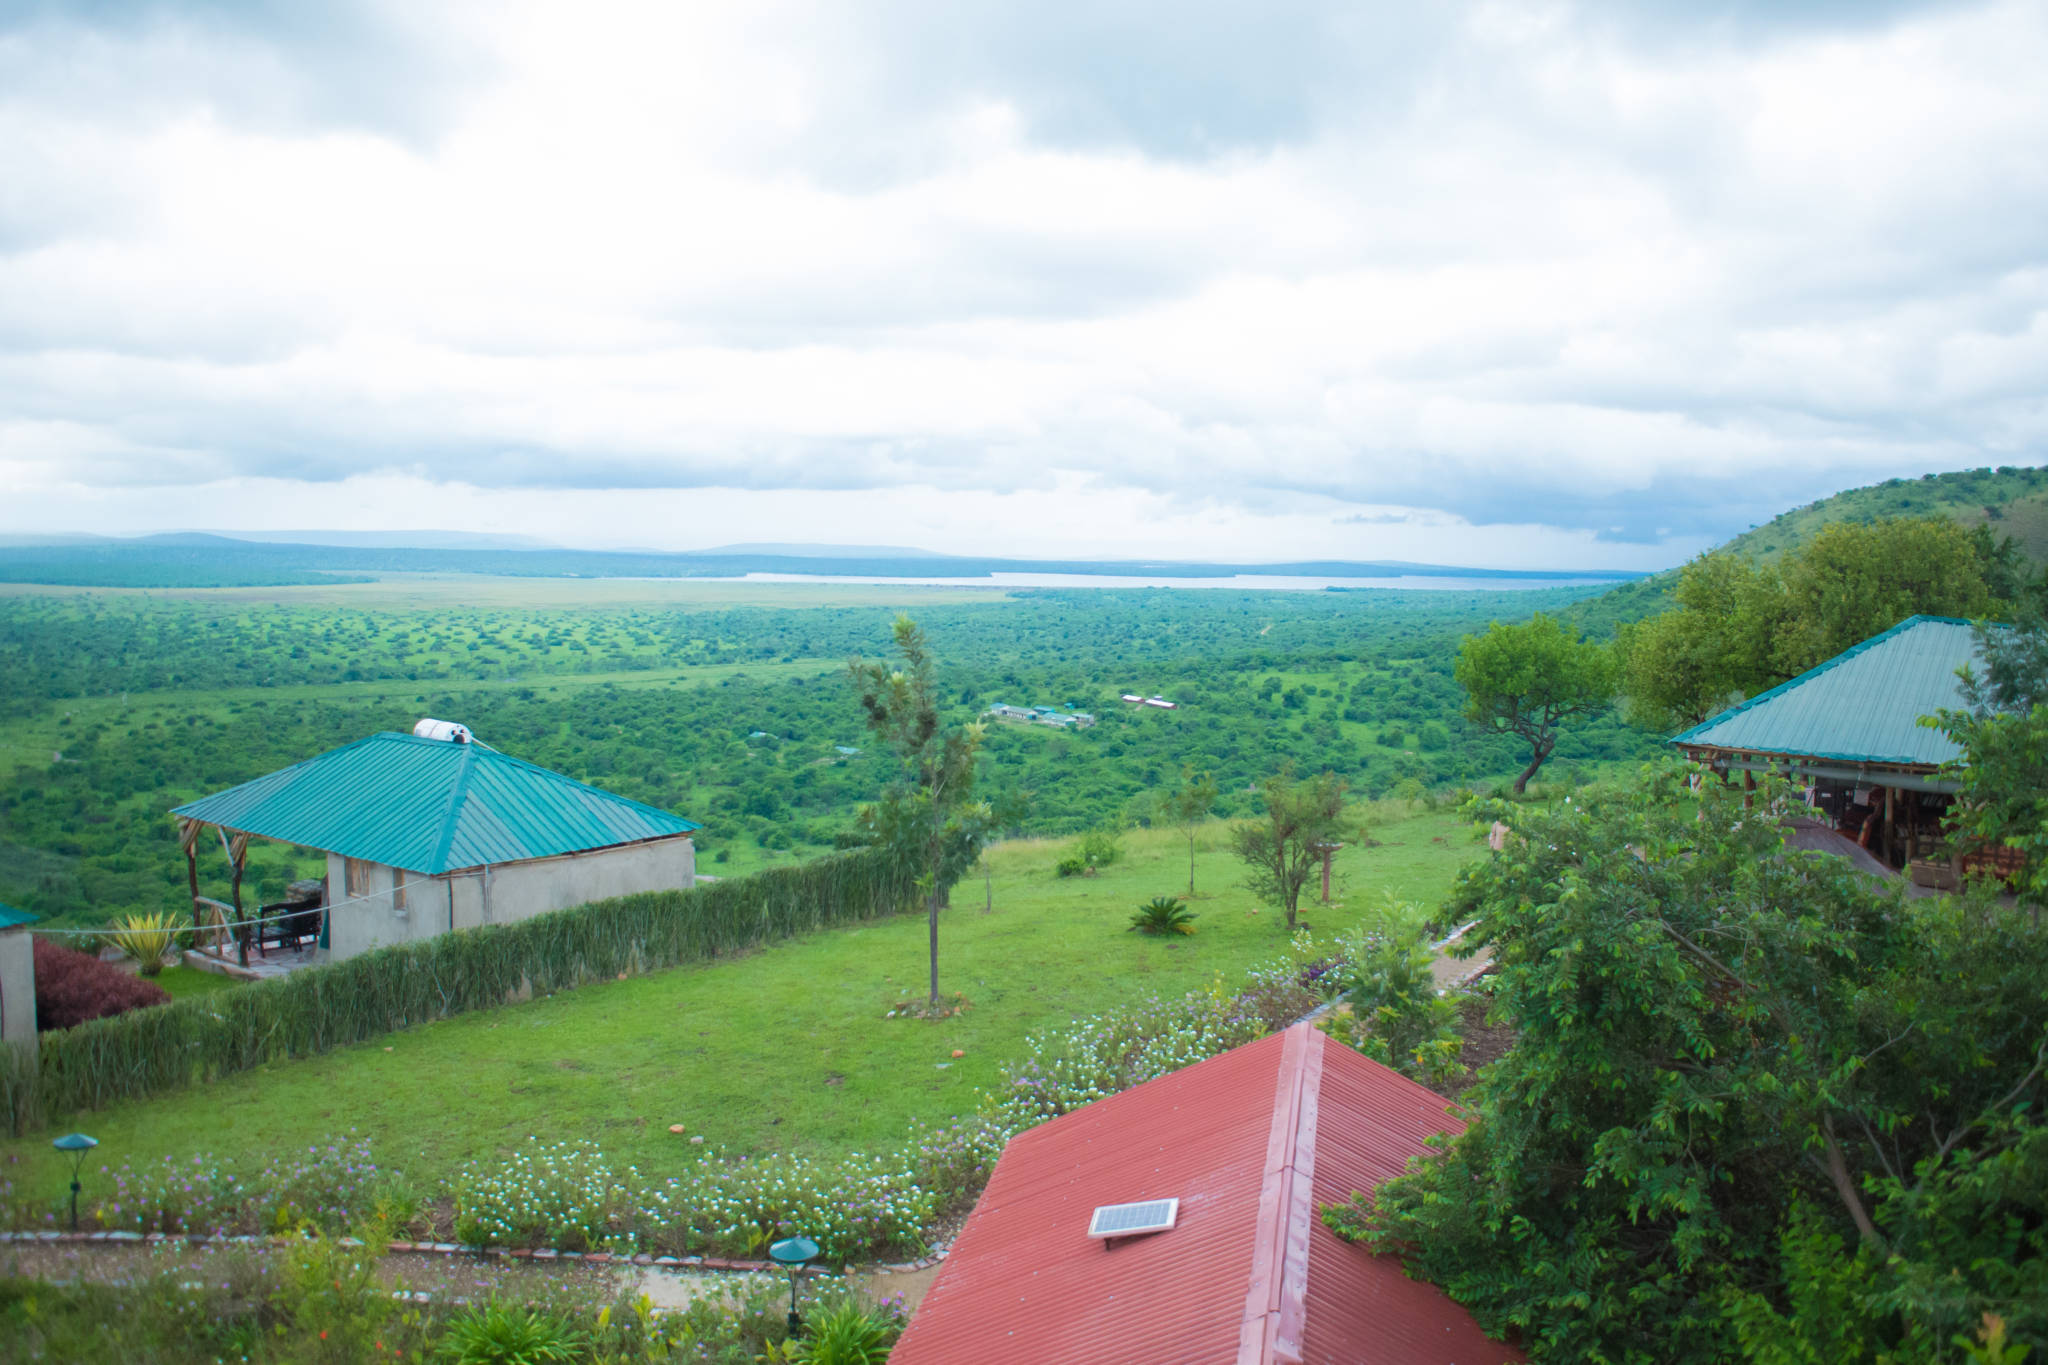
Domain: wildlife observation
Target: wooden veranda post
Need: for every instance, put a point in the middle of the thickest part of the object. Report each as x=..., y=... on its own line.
x=188, y=839
x=237, y=850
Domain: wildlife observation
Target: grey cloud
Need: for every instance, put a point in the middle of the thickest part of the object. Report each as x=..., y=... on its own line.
x=286, y=65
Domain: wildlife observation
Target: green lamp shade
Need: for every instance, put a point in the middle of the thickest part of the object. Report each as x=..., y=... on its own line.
x=75, y=1142
x=793, y=1251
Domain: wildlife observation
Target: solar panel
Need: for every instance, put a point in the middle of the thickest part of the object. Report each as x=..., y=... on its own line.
x=1128, y=1220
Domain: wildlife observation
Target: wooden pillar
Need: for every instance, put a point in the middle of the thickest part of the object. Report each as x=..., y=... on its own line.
x=241, y=929
x=1891, y=837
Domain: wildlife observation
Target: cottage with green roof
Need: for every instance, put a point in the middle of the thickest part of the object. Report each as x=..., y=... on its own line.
x=1851, y=728
x=435, y=831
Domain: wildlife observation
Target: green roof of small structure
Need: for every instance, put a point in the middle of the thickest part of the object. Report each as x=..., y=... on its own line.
x=11, y=917
x=431, y=805
x=1862, y=706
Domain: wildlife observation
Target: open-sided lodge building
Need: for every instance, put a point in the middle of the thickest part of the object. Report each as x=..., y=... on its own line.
x=1851, y=730
x=425, y=834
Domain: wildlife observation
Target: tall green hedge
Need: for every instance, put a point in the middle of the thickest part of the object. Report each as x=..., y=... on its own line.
x=149, y=1051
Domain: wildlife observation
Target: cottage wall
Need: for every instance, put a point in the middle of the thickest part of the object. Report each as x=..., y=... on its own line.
x=17, y=986
x=498, y=895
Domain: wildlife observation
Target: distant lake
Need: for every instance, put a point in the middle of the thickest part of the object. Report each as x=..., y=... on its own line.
x=1254, y=582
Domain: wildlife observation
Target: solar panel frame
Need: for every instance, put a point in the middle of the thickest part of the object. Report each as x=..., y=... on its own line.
x=1135, y=1218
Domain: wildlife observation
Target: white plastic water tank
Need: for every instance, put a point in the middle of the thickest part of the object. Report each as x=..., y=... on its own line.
x=442, y=729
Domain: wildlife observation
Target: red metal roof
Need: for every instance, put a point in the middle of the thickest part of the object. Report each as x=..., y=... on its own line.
x=1252, y=1143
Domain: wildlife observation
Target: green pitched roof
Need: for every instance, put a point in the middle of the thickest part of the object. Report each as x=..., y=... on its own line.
x=10, y=917
x=431, y=805
x=1862, y=706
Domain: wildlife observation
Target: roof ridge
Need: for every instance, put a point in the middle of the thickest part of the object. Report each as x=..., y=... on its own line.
x=458, y=793
x=1810, y=674
x=1276, y=1300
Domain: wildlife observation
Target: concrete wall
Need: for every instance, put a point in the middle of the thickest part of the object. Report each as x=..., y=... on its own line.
x=17, y=986
x=407, y=905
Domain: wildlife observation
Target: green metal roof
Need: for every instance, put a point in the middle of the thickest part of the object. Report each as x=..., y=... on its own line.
x=10, y=917
x=431, y=805
x=1862, y=706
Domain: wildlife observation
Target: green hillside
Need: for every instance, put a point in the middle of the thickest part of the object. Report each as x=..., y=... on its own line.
x=2013, y=501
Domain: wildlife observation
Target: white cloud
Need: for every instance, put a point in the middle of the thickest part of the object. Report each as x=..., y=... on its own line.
x=1529, y=269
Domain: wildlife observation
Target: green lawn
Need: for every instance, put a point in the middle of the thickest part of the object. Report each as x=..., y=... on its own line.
x=785, y=1049
x=184, y=981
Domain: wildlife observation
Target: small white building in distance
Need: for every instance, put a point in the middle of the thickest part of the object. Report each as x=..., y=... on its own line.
x=433, y=831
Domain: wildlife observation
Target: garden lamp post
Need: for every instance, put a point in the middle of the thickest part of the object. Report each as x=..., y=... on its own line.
x=791, y=1253
x=77, y=1145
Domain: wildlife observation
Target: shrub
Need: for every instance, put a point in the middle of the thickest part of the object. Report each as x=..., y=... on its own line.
x=326, y=1187
x=1100, y=847
x=72, y=987
x=560, y=1194
x=1074, y=866
x=1397, y=1017
x=146, y=938
x=1164, y=915
x=499, y=1333
x=846, y=1333
x=196, y=1196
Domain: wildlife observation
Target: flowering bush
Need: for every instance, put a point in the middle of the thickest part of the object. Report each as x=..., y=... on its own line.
x=328, y=1187
x=562, y=1194
x=852, y=1206
x=196, y=1196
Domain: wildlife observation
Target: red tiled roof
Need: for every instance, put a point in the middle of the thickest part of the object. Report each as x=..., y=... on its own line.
x=1252, y=1143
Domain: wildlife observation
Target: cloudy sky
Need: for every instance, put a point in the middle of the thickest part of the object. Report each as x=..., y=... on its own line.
x=1587, y=285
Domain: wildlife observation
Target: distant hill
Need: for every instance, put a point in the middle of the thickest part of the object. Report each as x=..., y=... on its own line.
x=2013, y=501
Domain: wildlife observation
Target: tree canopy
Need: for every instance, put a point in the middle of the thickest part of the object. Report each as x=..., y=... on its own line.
x=1282, y=849
x=928, y=815
x=1758, y=1106
x=1742, y=626
x=1529, y=679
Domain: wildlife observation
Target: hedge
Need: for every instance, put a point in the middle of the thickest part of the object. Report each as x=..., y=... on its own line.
x=201, y=1038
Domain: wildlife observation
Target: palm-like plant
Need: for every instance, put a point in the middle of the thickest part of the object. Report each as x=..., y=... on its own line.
x=1164, y=915
x=146, y=938
x=495, y=1333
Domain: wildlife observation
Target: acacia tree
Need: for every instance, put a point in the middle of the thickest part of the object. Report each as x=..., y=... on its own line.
x=1281, y=849
x=928, y=816
x=1529, y=679
x=1189, y=807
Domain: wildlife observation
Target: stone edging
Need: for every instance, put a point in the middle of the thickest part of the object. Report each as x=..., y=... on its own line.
x=542, y=1255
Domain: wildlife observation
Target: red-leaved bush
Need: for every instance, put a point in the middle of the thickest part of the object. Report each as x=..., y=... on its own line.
x=72, y=987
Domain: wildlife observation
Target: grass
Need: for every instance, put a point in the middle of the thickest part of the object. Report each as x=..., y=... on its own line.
x=785, y=1049
x=183, y=981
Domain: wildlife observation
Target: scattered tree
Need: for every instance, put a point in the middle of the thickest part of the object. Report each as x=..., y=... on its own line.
x=928, y=815
x=1281, y=850
x=1529, y=679
x=1189, y=807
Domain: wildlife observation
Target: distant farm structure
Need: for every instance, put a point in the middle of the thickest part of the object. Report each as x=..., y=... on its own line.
x=1154, y=700
x=1041, y=715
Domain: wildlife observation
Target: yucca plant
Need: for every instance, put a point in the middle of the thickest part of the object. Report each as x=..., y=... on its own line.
x=146, y=938
x=1164, y=915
